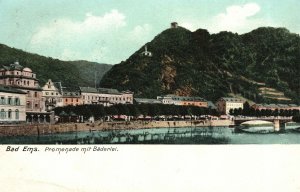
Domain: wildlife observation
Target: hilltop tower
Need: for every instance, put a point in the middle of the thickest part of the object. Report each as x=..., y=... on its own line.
x=174, y=25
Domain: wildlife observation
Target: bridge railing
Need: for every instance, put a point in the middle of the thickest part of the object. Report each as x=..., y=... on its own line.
x=262, y=118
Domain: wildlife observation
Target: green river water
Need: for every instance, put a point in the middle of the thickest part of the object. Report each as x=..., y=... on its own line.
x=190, y=135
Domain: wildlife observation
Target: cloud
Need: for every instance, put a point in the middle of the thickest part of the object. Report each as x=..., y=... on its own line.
x=235, y=18
x=86, y=39
x=140, y=31
x=105, y=39
x=140, y=34
x=64, y=29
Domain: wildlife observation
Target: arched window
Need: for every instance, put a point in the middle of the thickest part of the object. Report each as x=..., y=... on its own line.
x=17, y=114
x=9, y=114
x=2, y=114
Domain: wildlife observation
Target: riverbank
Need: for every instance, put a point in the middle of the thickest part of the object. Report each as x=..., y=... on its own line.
x=44, y=129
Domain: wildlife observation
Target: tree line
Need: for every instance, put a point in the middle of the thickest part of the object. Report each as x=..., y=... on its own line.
x=135, y=110
x=249, y=111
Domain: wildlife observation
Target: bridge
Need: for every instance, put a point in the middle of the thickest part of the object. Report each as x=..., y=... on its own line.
x=277, y=121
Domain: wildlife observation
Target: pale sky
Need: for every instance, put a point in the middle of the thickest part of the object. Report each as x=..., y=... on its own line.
x=109, y=31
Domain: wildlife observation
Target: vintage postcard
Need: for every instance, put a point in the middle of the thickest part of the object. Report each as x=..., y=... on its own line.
x=108, y=88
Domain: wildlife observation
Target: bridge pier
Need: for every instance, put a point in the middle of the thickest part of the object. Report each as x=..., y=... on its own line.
x=276, y=125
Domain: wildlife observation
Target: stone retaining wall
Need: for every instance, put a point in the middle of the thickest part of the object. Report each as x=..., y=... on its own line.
x=25, y=130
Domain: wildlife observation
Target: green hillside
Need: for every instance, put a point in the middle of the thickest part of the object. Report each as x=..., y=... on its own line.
x=213, y=65
x=71, y=73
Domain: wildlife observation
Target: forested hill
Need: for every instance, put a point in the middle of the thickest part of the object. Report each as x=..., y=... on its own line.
x=70, y=73
x=213, y=65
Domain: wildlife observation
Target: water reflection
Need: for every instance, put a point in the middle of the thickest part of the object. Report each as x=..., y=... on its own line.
x=191, y=135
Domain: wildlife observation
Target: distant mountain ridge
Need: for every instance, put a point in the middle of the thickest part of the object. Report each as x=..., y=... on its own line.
x=70, y=73
x=213, y=65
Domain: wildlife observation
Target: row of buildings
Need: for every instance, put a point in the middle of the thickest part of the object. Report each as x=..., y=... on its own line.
x=23, y=100
x=55, y=95
x=176, y=100
x=223, y=105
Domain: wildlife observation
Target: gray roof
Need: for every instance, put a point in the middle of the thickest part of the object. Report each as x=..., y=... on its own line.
x=232, y=99
x=88, y=90
x=272, y=105
x=71, y=91
x=282, y=105
x=183, y=98
x=108, y=91
x=211, y=105
x=145, y=100
x=293, y=105
x=58, y=86
x=13, y=66
x=7, y=89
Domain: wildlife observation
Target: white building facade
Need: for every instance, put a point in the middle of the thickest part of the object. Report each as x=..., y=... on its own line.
x=106, y=97
x=12, y=105
x=225, y=104
x=52, y=95
x=24, y=79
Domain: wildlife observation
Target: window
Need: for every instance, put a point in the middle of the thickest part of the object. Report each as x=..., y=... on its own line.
x=35, y=94
x=9, y=101
x=47, y=93
x=28, y=104
x=52, y=93
x=36, y=105
x=9, y=115
x=17, y=114
x=17, y=101
x=49, y=86
x=66, y=100
x=2, y=101
x=2, y=114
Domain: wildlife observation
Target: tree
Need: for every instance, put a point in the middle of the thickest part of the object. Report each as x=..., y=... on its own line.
x=246, y=109
x=296, y=118
x=133, y=110
x=275, y=113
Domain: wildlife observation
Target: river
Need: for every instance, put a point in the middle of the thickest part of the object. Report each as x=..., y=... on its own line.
x=191, y=135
